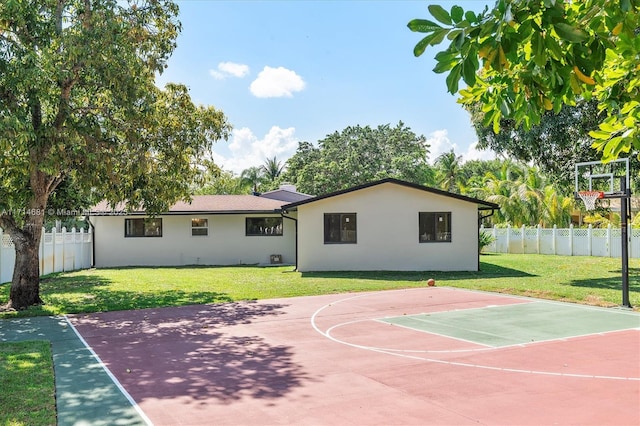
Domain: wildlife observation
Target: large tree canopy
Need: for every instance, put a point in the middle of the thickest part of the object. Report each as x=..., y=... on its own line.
x=555, y=144
x=78, y=99
x=358, y=155
x=538, y=55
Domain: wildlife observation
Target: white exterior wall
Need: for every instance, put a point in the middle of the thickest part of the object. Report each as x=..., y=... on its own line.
x=387, y=232
x=226, y=243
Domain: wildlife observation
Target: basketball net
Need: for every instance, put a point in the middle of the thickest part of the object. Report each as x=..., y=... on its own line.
x=589, y=198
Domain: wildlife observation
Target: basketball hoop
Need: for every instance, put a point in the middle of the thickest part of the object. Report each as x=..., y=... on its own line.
x=590, y=197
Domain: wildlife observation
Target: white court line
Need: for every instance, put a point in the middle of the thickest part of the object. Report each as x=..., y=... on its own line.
x=111, y=376
x=328, y=335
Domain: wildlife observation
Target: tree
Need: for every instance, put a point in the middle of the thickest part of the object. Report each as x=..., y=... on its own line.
x=555, y=144
x=272, y=168
x=252, y=177
x=78, y=100
x=222, y=183
x=539, y=55
x=358, y=155
x=448, y=171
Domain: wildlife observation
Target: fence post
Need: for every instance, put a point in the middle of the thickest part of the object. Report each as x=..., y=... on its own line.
x=41, y=251
x=609, y=251
x=73, y=238
x=81, y=248
x=571, y=239
x=53, y=249
x=523, y=239
x=64, y=237
x=508, y=238
x=589, y=242
x=554, y=238
x=538, y=232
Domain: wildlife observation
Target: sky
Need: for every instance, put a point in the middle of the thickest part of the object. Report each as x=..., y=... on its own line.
x=284, y=72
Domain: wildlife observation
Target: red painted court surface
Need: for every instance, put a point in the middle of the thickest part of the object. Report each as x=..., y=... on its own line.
x=430, y=356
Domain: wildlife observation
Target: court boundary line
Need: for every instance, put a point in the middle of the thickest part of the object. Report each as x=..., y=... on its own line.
x=455, y=363
x=113, y=378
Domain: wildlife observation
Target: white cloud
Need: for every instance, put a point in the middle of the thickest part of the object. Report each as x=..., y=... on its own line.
x=246, y=150
x=276, y=83
x=439, y=144
x=229, y=69
x=473, y=153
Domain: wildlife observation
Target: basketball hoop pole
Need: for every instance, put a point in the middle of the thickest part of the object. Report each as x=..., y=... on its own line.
x=624, y=199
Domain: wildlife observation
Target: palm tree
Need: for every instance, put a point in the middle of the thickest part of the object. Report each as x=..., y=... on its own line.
x=272, y=169
x=252, y=177
x=448, y=171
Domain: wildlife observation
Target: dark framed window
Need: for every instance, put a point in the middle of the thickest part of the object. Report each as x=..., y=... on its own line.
x=264, y=226
x=150, y=227
x=199, y=227
x=340, y=228
x=434, y=227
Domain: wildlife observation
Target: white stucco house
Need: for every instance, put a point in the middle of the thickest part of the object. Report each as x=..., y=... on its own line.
x=388, y=225
x=384, y=225
x=211, y=230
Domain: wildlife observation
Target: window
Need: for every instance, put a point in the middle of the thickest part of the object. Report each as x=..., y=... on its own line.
x=264, y=226
x=340, y=228
x=143, y=227
x=199, y=227
x=434, y=227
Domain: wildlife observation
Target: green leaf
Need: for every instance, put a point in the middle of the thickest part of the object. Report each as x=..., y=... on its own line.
x=438, y=36
x=600, y=134
x=423, y=26
x=457, y=13
x=444, y=66
x=469, y=71
x=539, y=51
x=453, y=78
x=470, y=16
x=422, y=45
x=440, y=14
x=569, y=33
x=553, y=47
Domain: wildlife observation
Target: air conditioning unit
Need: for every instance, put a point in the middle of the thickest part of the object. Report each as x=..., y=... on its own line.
x=276, y=259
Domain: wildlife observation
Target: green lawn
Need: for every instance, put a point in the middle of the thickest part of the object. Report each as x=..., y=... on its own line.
x=590, y=280
x=27, y=394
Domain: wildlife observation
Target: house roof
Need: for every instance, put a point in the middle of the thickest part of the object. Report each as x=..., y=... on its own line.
x=482, y=205
x=204, y=204
x=286, y=195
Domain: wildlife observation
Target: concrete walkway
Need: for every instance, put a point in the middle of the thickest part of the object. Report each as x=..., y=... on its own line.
x=85, y=391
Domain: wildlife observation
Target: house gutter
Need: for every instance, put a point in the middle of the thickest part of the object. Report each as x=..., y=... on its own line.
x=282, y=213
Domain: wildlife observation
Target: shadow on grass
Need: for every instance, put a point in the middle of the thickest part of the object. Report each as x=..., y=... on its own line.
x=487, y=270
x=611, y=283
x=88, y=293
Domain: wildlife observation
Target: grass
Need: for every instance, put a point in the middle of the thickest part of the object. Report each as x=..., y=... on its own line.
x=27, y=395
x=588, y=280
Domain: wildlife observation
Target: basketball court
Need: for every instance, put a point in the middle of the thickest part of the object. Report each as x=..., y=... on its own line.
x=432, y=355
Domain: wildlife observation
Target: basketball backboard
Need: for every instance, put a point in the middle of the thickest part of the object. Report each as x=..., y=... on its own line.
x=610, y=178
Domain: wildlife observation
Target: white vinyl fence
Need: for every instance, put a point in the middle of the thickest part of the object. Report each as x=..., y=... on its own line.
x=59, y=251
x=601, y=242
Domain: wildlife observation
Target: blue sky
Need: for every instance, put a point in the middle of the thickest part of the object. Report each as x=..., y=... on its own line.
x=290, y=71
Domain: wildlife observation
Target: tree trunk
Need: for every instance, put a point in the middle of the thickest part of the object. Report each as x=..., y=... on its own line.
x=25, y=285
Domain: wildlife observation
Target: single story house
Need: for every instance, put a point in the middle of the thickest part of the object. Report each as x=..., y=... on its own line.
x=384, y=225
x=388, y=225
x=211, y=230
